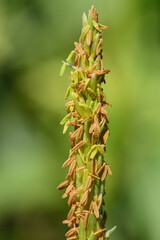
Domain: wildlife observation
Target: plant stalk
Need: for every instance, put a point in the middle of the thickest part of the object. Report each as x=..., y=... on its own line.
x=86, y=113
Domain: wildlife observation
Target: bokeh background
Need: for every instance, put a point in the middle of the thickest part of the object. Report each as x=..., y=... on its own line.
x=35, y=35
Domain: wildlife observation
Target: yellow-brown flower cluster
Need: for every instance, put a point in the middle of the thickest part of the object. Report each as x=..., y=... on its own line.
x=86, y=113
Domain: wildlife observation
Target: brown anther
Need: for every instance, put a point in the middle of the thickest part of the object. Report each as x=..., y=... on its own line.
x=99, y=232
x=63, y=185
x=72, y=198
x=78, y=60
x=86, y=53
x=74, y=176
x=70, y=224
x=104, y=112
x=84, y=199
x=96, y=166
x=78, y=133
x=80, y=88
x=79, y=48
x=69, y=188
x=65, y=221
x=80, y=169
x=74, y=84
x=91, y=206
x=93, y=68
x=89, y=182
x=81, y=216
x=72, y=238
x=68, y=162
x=85, y=119
x=93, y=166
x=99, y=202
x=77, y=220
x=98, y=108
x=89, y=37
x=101, y=64
x=73, y=123
x=108, y=103
x=102, y=121
x=95, y=126
x=104, y=71
x=109, y=170
x=98, y=49
x=105, y=171
x=101, y=169
x=64, y=195
x=95, y=209
x=102, y=26
x=71, y=212
x=70, y=103
x=93, y=13
x=85, y=220
x=71, y=232
x=71, y=139
x=77, y=146
x=96, y=177
x=75, y=64
x=72, y=167
x=105, y=136
x=85, y=211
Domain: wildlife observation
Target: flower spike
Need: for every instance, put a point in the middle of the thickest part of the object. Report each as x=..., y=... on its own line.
x=86, y=112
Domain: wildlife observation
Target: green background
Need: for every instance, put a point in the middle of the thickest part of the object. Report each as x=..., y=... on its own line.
x=35, y=35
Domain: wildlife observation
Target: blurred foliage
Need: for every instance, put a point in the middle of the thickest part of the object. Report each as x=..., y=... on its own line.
x=34, y=37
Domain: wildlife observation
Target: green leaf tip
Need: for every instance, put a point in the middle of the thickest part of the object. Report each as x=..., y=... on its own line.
x=109, y=232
